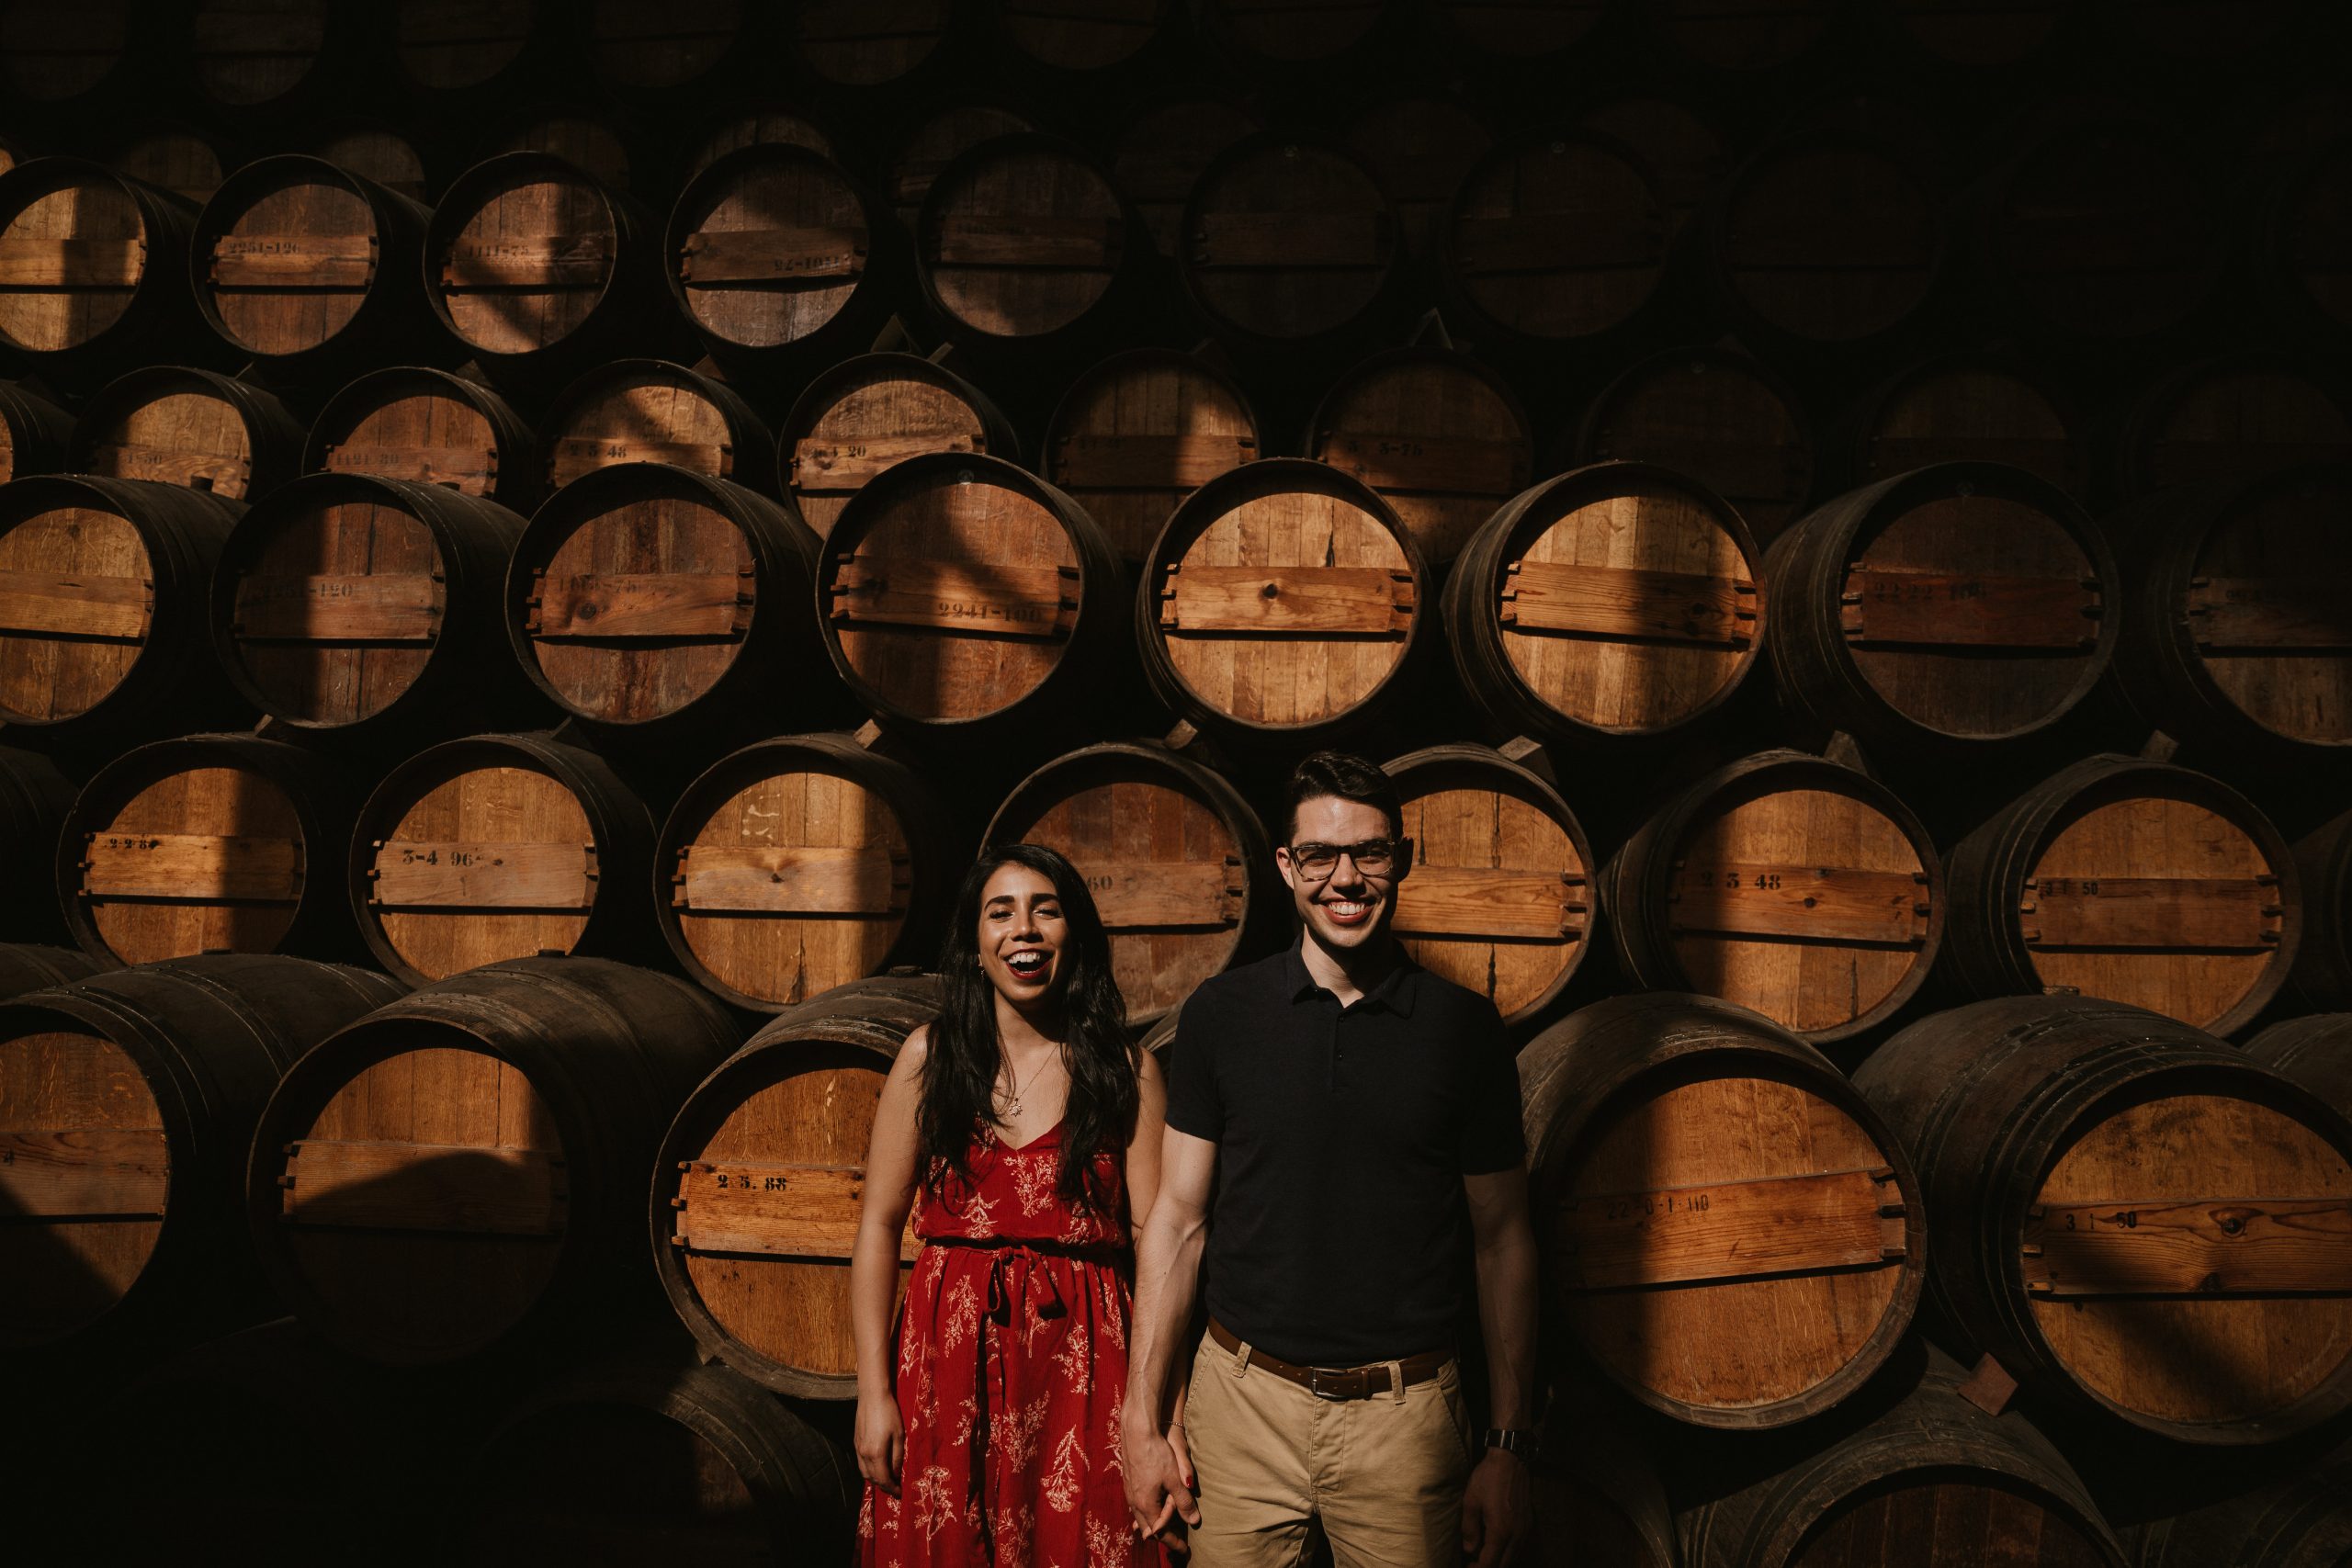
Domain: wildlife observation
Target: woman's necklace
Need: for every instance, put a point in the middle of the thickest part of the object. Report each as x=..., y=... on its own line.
x=1013, y=1100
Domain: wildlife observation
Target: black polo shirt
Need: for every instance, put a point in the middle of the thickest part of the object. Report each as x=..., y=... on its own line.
x=1340, y=1232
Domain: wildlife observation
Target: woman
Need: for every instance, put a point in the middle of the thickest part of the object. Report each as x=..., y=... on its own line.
x=1028, y=1127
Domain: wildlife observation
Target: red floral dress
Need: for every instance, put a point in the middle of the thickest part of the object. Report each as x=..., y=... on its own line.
x=1012, y=1367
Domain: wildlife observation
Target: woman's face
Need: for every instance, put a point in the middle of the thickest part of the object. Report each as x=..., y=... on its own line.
x=1021, y=934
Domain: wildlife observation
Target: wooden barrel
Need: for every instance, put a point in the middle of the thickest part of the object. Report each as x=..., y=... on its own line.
x=1420, y=147
x=679, y=48
x=1684, y=154
x=359, y=607
x=465, y=1167
x=1139, y=433
x=2233, y=632
x=2303, y=248
x=2148, y=1224
x=102, y=586
x=1925, y=1478
x=130, y=1101
x=762, y=1281
x=1556, y=238
x=960, y=596
x=474, y=49
x=497, y=847
x=1281, y=604
x=1962, y=601
x=1085, y=43
x=647, y=596
x=1599, y=1499
x=1436, y=434
x=1026, y=249
x=1179, y=866
x=2135, y=882
x=178, y=425
x=850, y=43
x=928, y=145
x=1717, y=416
x=802, y=863
x=1290, y=246
x=411, y=421
x=1503, y=34
x=874, y=410
x=56, y=61
x=2315, y=1052
x=2102, y=229
x=1276, y=38
x=535, y=262
x=1160, y=154
x=188, y=162
x=209, y=843
x=1968, y=407
x=2295, y=1516
x=247, y=60
x=30, y=967
x=649, y=410
x=2323, y=972
x=1774, y=882
x=34, y=796
x=1618, y=600
x=1499, y=897
x=687, y=1461
x=312, y=270
x=1643, y=1114
x=1976, y=37
x=777, y=256
x=750, y=123
x=588, y=135
x=93, y=271
x=374, y=149
x=1733, y=37
x=33, y=433
x=2233, y=418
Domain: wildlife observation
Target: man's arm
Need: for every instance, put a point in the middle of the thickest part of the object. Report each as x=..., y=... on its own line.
x=1498, y=1510
x=1168, y=1274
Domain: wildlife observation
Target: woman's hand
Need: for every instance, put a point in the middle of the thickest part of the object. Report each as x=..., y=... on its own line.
x=881, y=1440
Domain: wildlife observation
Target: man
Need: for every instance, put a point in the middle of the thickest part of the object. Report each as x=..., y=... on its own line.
x=1358, y=1122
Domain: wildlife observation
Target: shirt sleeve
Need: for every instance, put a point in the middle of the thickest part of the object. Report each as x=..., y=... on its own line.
x=1194, y=1104
x=1491, y=1136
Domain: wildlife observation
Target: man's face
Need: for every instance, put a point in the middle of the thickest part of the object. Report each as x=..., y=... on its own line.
x=1350, y=906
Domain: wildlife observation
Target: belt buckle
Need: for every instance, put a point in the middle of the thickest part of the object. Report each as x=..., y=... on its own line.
x=1315, y=1382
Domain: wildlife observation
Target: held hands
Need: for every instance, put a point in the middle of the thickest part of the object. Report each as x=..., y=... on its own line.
x=1159, y=1471
x=881, y=1440
x=1497, y=1509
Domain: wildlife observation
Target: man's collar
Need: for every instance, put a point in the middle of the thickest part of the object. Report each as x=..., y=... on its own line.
x=1395, y=991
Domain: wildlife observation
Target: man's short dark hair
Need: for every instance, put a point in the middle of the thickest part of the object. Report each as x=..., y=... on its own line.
x=1348, y=776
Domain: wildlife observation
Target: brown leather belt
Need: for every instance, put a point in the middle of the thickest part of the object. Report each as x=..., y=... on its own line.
x=1336, y=1383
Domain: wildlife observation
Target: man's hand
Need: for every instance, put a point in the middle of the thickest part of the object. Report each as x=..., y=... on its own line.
x=1497, y=1509
x=1159, y=1471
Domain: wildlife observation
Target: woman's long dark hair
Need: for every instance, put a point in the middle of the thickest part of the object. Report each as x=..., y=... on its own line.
x=960, y=1074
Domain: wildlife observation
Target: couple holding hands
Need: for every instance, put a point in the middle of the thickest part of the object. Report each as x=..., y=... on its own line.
x=1333, y=1157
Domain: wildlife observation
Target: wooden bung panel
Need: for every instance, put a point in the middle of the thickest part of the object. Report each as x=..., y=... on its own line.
x=638, y=48
x=289, y=266
x=530, y=250
x=72, y=254
x=1160, y=155
x=1287, y=241
x=1737, y=35
x=84, y=1172
x=1513, y=31
x=768, y=245
x=1557, y=238
x=1020, y=238
x=2270, y=608
x=245, y=53
x=2105, y=230
x=450, y=45
x=52, y=53
x=493, y=863
x=183, y=428
x=1500, y=898
x=202, y=859
x=862, y=43
x=1829, y=242
x=648, y=411
x=1964, y=410
x=1971, y=32
x=1280, y=600
x=937, y=140
x=1140, y=431
x=2236, y=420
x=1171, y=852
x=1441, y=439
x=426, y=426
x=77, y=598
x=1717, y=416
x=1092, y=36
x=870, y=413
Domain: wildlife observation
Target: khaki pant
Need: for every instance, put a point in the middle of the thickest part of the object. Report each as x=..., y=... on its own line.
x=1384, y=1474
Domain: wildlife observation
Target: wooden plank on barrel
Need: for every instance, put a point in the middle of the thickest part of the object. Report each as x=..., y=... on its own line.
x=411, y=874
x=1184, y=461
x=1287, y=241
x=85, y=1173
x=1080, y=243
x=2201, y=1246
x=713, y=256
x=1801, y=902
x=1301, y=601
x=575, y=456
x=1474, y=901
x=641, y=604
x=1425, y=463
x=959, y=596
x=471, y=470
x=847, y=466
x=2276, y=615
x=331, y=607
x=35, y=262
x=529, y=261
x=797, y=879
x=461, y=1188
x=1164, y=896
x=2230, y=914
x=788, y=1211
x=49, y=603
x=1732, y=1230
x=1627, y=602
x=1602, y=238
x=172, y=465
x=294, y=260
x=1970, y=609
x=186, y=867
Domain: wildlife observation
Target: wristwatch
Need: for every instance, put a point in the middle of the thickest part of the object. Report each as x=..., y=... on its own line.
x=1520, y=1445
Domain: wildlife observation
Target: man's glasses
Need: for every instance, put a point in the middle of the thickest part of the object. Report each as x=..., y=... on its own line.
x=1316, y=862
